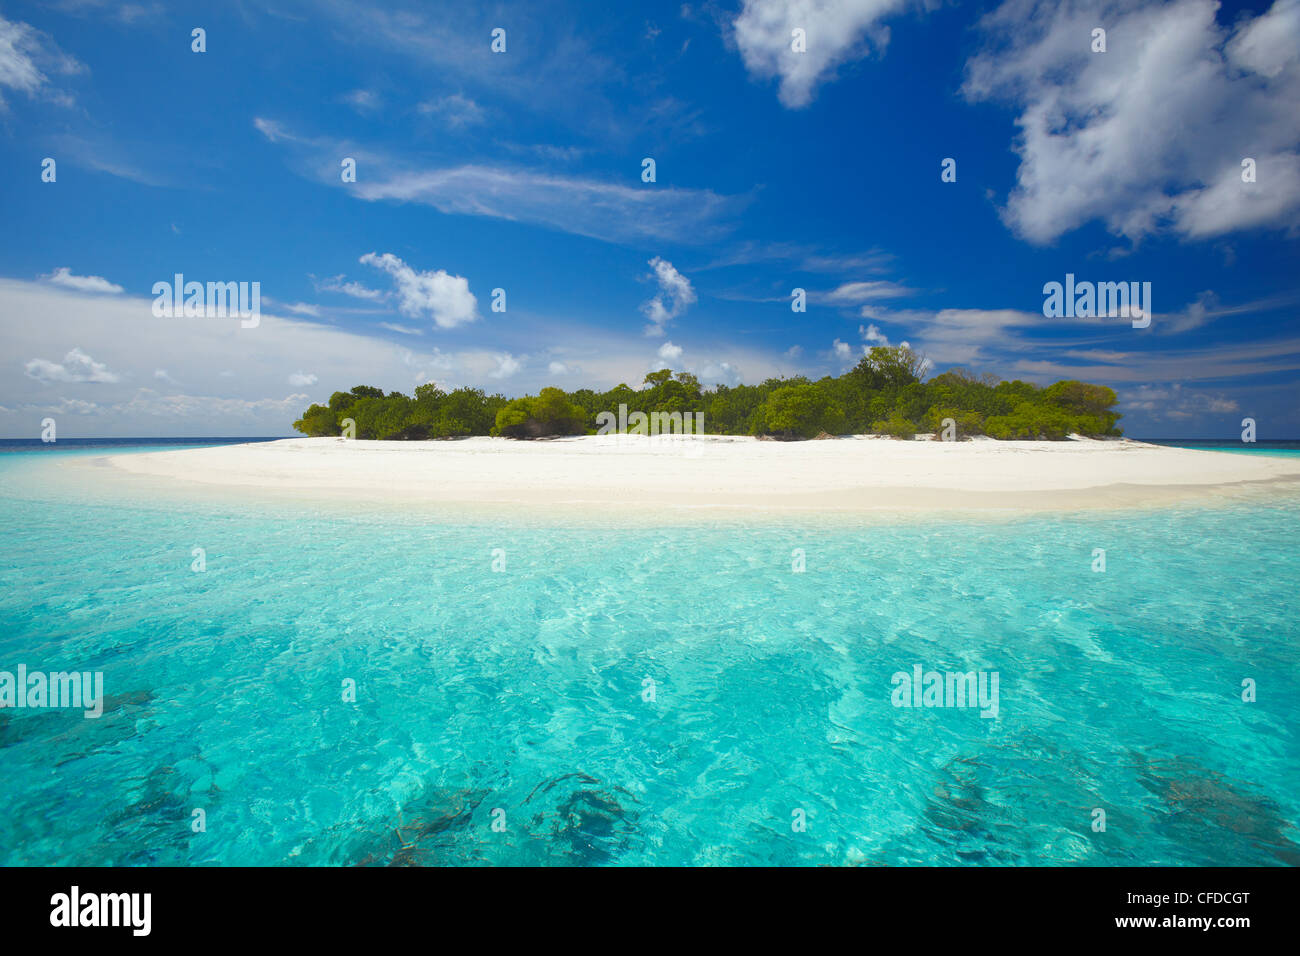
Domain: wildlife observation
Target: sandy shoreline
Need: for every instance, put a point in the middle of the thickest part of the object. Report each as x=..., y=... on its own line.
x=719, y=474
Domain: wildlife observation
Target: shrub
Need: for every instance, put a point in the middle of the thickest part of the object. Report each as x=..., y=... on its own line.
x=967, y=422
x=896, y=426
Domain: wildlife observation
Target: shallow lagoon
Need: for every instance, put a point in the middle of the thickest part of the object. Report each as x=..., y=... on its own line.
x=519, y=696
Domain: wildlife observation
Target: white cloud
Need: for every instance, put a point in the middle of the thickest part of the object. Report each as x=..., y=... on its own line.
x=607, y=211
x=669, y=352
x=836, y=31
x=197, y=352
x=961, y=336
x=854, y=293
x=274, y=131
x=299, y=379
x=354, y=289
x=63, y=276
x=794, y=351
x=74, y=406
x=363, y=101
x=443, y=297
x=1150, y=135
x=302, y=308
x=675, y=295
x=77, y=366
x=404, y=329
x=720, y=373
x=223, y=380
x=558, y=368
x=455, y=111
x=842, y=350
x=507, y=365
x=26, y=57
x=1172, y=401
x=873, y=335
x=611, y=212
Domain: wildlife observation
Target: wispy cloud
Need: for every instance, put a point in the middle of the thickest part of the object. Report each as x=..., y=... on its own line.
x=63, y=276
x=354, y=289
x=27, y=58
x=613, y=212
x=859, y=293
x=363, y=101
x=454, y=110
x=801, y=257
x=403, y=329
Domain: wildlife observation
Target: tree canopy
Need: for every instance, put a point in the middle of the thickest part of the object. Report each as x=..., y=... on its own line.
x=884, y=393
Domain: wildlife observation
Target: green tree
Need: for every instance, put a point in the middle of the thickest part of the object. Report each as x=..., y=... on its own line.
x=890, y=367
x=801, y=410
x=548, y=413
x=966, y=421
x=885, y=393
x=317, y=421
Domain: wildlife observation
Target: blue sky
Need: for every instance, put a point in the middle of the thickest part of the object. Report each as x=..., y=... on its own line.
x=522, y=171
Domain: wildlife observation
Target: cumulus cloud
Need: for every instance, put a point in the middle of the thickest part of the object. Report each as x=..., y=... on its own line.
x=836, y=30
x=63, y=276
x=299, y=379
x=674, y=296
x=507, y=365
x=443, y=297
x=1150, y=135
x=669, y=352
x=76, y=366
x=872, y=335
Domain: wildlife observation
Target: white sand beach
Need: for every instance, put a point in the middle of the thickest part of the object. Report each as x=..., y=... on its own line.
x=679, y=475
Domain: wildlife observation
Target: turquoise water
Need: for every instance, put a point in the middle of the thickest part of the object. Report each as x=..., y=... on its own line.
x=522, y=690
x=1284, y=448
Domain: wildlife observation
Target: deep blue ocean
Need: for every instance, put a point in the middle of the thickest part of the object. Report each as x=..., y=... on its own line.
x=388, y=689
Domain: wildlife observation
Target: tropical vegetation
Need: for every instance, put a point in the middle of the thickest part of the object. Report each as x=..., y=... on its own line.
x=886, y=393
